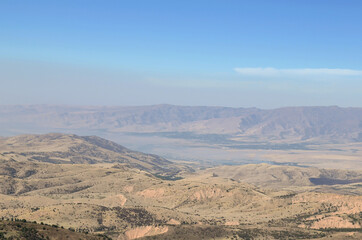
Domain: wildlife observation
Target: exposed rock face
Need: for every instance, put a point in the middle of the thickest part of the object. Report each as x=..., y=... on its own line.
x=128, y=189
x=208, y=194
x=152, y=193
x=173, y=222
x=231, y=223
x=142, y=232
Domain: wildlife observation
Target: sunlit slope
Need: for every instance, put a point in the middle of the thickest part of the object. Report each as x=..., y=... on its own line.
x=66, y=148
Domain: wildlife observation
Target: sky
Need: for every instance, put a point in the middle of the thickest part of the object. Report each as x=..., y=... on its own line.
x=264, y=54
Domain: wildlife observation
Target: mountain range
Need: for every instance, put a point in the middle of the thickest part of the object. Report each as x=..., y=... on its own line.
x=333, y=124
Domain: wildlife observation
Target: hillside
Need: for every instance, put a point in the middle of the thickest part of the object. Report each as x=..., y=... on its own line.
x=21, y=229
x=93, y=185
x=293, y=178
x=126, y=203
x=105, y=194
x=73, y=149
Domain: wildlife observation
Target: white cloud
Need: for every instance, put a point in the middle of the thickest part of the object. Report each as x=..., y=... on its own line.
x=298, y=72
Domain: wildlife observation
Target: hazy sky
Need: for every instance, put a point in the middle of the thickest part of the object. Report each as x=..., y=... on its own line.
x=265, y=54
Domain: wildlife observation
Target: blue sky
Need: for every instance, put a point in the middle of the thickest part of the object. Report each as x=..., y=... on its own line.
x=265, y=54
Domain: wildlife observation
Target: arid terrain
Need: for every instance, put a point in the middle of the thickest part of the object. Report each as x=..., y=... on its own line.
x=180, y=120
x=93, y=185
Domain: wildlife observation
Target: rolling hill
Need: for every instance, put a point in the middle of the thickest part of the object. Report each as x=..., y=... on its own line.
x=293, y=178
x=73, y=149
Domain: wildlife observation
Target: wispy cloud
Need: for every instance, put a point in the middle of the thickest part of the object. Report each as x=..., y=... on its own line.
x=298, y=72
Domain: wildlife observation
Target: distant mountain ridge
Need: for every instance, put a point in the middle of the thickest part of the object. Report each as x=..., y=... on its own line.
x=306, y=123
x=300, y=123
